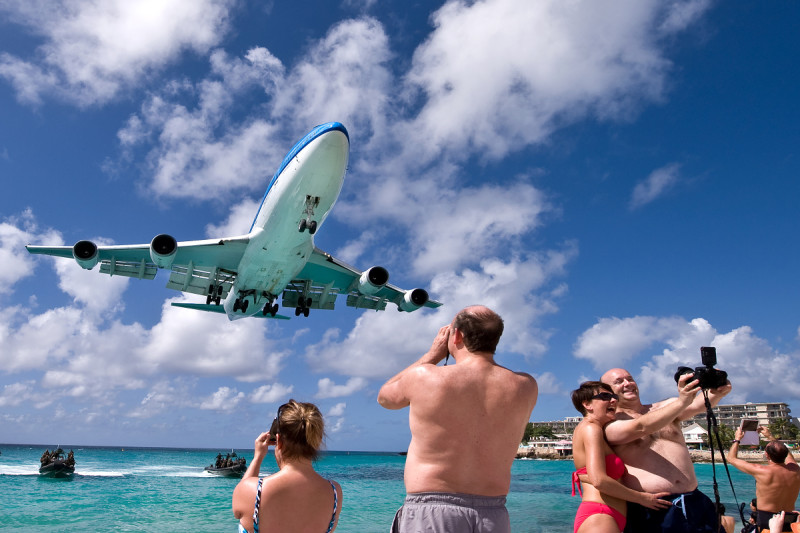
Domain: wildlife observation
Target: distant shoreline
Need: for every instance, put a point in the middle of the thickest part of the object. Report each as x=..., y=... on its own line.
x=698, y=456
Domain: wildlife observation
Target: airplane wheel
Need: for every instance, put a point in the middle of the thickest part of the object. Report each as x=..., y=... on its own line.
x=217, y=300
x=302, y=226
x=219, y=291
x=308, y=302
x=274, y=310
x=244, y=306
x=265, y=310
x=208, y=299
x=236, y=303
x=297, y=311
x=312, y=227
x=305, y=312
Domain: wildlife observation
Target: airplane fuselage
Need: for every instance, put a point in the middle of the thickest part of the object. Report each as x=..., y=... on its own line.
x=299, y=198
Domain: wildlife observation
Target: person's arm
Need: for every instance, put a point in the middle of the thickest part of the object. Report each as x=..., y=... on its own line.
x=394, y=393
x=244, y=493
x=597, y=476
x=699, y=404
x=733, y=454
x=623, y=431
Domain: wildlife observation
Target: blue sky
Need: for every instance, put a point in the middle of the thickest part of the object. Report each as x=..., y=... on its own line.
x=617, y=179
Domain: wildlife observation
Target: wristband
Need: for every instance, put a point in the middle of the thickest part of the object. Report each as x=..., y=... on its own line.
x=737, y=441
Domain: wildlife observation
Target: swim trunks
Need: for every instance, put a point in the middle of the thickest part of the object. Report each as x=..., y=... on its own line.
x=445, y=512
x=690, y=512
x=764, y=516
x=615, y=469
x=587, y=509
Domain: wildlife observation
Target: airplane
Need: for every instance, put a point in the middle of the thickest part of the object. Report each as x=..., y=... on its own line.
x=244, y=275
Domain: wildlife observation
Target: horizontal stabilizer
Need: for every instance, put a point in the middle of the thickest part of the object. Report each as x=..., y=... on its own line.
x=219, y=309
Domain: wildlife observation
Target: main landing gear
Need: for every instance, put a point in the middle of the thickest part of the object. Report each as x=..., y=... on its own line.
x=308, y=223
x=214, y=294
x=303, y=306
x=271, y=308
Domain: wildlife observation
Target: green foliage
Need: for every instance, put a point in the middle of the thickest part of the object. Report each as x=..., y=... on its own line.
x=533, y=431
x=725, y=436
x=783, y=429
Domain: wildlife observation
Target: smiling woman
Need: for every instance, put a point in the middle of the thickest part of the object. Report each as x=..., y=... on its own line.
x=598, y=469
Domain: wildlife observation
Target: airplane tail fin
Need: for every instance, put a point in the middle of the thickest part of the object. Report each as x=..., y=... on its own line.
x=211, y=308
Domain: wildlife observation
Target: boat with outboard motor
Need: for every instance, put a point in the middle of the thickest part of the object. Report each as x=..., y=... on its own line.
x=56, y=464
x=230, y=466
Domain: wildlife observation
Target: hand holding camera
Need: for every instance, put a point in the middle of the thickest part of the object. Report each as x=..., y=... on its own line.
x=708, y=376
x=688, y=387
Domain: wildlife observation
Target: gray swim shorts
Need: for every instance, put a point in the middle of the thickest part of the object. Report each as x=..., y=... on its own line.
x=452, y=513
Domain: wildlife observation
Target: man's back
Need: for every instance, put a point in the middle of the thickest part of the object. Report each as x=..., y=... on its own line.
x=467, y=421
x=777, y=486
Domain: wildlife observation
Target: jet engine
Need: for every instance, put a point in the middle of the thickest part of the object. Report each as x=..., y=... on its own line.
x=413, y=300
x=85, y=253
x=372, y=280
x=162, y=250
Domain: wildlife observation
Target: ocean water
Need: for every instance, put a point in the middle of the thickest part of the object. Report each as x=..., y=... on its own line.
x=157, y=489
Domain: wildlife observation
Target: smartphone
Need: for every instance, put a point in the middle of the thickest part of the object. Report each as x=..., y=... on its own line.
x=750, y=428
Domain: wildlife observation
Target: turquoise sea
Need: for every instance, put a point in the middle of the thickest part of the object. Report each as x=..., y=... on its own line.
x=158, y=489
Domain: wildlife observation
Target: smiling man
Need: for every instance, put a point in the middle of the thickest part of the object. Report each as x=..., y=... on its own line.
x=655, y=453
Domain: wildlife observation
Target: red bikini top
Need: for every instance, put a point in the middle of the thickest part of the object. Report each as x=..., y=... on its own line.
x=615, y=469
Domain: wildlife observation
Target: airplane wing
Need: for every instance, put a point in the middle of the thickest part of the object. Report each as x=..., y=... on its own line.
x=196, y=266
x=324, y=277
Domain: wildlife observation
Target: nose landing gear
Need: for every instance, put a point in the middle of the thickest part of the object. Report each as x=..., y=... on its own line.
x=308, y=223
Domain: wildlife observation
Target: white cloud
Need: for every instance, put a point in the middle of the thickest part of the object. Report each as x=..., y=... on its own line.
x=682, y=14
x=92, y=51
x=344, y=77
x=614, y=341
x=337, y=410
x=656, y=184
x=15, y=233
x=271, y=393
x=239, y=220
x=224, y=399
x=208, y=344
x=560, y=61
x=326, y=388
x=201, y=152
x=548, y=383
x=757, y=371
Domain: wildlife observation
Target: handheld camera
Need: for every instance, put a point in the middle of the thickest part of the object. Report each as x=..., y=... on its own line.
x=710, y=377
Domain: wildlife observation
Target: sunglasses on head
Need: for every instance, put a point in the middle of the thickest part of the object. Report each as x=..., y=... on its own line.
x=605, y=396
x=275, y=428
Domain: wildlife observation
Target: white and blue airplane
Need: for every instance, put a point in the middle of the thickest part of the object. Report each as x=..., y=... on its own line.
x=277, y=258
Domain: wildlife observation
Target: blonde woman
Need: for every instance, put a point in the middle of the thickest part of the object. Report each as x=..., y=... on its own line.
x=296, y=498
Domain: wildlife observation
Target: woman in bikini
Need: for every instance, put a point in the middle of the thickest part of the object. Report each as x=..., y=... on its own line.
x=295, y=498
x=598, y=469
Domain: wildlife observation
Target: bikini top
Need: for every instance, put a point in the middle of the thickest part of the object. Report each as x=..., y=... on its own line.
x=615, y=469
x=258, y=503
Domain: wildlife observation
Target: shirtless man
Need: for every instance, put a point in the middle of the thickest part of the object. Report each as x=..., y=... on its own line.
x=777, y=482
x=658, y=460
x=467, y=421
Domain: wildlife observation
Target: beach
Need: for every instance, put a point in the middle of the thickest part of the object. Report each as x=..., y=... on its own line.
x=158, y=489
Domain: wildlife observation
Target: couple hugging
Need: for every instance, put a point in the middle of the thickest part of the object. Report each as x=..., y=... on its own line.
x=634, y=472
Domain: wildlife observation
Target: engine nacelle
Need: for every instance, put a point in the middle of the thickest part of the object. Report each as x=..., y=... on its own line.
x=85, y=253
x=372, y=280
x=413, y=300
x=162, y=250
